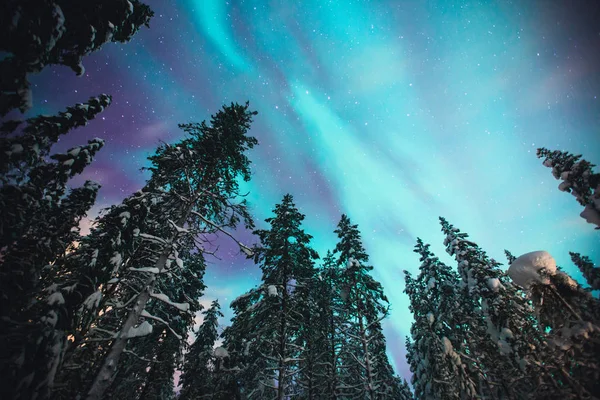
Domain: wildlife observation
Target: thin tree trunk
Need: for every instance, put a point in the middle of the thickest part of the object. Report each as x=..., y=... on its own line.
x=105, y=376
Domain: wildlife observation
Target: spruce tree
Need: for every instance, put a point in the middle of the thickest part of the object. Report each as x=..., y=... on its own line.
x=509, y=256
x=437, y=331
x=513, y=350
x=571, y=317
x=366, y=370
x=269, y=318
x=311, y=380
x=201, y=365
x=577, y=178
x=38, y=33
x=38, y=227
x=331, y=308
x=142, y=243
x=587, y=268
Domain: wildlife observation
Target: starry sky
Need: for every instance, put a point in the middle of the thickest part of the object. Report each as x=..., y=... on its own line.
x=393, y=112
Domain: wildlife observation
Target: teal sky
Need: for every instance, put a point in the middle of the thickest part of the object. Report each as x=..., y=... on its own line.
x=393, y=112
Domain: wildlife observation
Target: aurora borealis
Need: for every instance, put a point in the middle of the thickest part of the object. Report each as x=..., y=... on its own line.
x=393, y=112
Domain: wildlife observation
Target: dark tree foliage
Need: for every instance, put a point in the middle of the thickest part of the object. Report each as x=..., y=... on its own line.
x=39, y=218
x=38, y=33
x=587, y=268
x=201, y=367
x=577, y=178
x=266, y=336
x=365, y=369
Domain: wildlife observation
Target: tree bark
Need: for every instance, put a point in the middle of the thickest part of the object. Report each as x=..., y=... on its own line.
x=105, y=376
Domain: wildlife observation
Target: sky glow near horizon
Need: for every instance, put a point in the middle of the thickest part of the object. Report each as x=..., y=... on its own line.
x=393, y=112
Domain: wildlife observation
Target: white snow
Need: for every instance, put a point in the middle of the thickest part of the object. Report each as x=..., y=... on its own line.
x=179, y=229
x=93, y=300
x=116, y=260
x=494, y=284
x=430, y=318
x=221, y=352
x=565, y=175
x=56, y=298
x=548, y=163
x=526, y=269
x=145, y=328
x=272, y=290
x=152, y=270
x=68, y=162
x=74, y=151
x=183, y=307
x=564, y=186
x=16, y=148
x=591, y=215
x=448, y=349
x=152, y=238
x=431, y=283
x=246, y=250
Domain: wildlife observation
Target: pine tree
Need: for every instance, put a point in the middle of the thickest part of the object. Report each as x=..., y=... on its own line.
x=590, y=273
x=571, y=317
x=269, y=318
x=403, y=392
x=330, y=306
x=312, y=340
x=141, y=243
x=509, y=256
x=146, y=368
x=38, y=227
x=38, y=33
x=513, y=350
x=201, y=365
x=577, y=178
x=437, y=332
x=366, y=370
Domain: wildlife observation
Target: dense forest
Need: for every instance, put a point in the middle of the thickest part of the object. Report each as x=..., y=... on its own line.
x=109, y=314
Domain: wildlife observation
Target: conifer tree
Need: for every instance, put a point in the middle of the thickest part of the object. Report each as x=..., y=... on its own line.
x=577, y=178
x=326, y=314
x=38, y=33
x=509, y=256
x=366, y=370
x=311, y=380
x=403, y=391
x=587, y=268
x=511, y=332
x=438, y=331
x=268, y=319
x=571, y=317
x=38, y=227
x=201, y=365
x=142, y=243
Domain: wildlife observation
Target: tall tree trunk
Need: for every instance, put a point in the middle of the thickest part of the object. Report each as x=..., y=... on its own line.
x=105, y=376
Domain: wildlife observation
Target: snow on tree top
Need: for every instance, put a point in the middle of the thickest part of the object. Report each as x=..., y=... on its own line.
x=590, y=214
x=525, y=270
x=221, y=352
x=272, y=290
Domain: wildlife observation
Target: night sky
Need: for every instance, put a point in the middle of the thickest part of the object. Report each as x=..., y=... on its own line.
x=393, y=112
